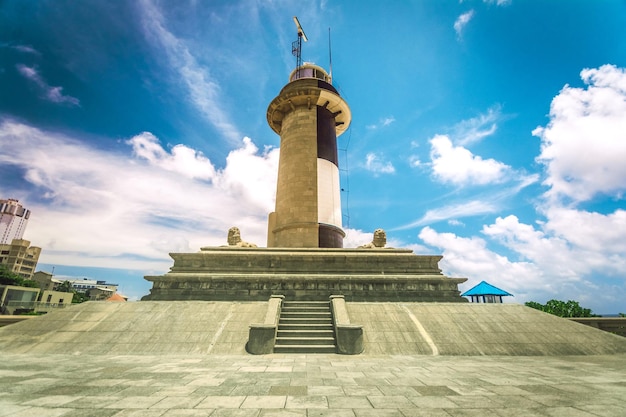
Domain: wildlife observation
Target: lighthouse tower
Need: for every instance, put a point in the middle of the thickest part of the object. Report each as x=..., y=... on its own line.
x=305, y=259
x=309, y=115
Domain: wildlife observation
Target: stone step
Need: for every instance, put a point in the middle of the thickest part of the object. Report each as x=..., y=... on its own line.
x=308, y=333
x=305, y=320
x=305, y=326
x=305, y=341
x=308, y=303
x=305, y=349
x=306, y=314
x=305, y=308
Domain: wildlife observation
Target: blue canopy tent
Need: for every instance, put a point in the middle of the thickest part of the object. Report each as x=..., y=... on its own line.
x=485, y=293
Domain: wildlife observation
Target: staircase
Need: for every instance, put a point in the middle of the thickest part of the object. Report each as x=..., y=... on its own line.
x=305, y=327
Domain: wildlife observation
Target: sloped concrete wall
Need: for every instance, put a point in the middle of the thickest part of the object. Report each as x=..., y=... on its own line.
x=475, y=329
x=215, y=327
x=190, y=327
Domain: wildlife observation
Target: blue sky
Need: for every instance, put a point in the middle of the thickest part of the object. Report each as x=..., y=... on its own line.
x=492, y=132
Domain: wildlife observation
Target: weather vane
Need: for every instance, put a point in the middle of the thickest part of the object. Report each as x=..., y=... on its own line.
x=296, y=46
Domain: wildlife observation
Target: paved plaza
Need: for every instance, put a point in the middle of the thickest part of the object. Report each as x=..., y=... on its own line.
x=41, y=385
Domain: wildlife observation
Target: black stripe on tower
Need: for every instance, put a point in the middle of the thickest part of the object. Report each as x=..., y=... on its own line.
x=326, y=136
x=330, y=236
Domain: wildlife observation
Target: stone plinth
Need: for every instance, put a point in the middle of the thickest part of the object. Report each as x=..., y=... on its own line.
x=232, y=273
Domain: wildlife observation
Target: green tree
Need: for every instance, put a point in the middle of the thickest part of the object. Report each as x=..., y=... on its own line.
x=77, y=297
x=80, y=297
x=535, y=305
x=8, y=277
x=562, y=308
x=65, y=286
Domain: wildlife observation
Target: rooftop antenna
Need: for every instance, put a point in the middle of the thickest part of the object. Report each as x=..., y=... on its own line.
x=296, y=46
x=330, y=58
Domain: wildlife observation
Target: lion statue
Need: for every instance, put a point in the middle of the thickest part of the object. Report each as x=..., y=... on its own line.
x=234, y=239
x=379, y=241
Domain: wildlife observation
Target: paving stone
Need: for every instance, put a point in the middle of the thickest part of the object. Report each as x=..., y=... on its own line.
x=282, y=412
x=178, y=402
x=150, y=385
x=330, y=413
x=436, y=391
x=289, y=390
x=378, y=412
x=221, y=401
x=182, y=412
x=392, y=401
x=307, y=401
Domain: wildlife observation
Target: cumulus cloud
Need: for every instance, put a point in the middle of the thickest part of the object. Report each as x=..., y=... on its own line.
x=461, y=22
x=549, y=268
x=568, y=252
x=457, y=165
x=601, y=236
x=130, y=209
x=181, y=159
x=204, y=92
x=375, y=164
x=584, y=144
x=50, y=93
x=470, y=258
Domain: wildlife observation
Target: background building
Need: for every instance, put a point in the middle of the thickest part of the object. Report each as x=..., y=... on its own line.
x=15, y=252
x=86, y=284
x=13, y=220
x=20, y=257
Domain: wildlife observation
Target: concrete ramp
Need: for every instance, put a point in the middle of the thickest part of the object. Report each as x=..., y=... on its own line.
x=216, y=327
x=476, y=329
x=188, y=327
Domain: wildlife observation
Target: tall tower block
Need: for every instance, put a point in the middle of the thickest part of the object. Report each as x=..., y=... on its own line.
x=309, y=115
x=13, y=220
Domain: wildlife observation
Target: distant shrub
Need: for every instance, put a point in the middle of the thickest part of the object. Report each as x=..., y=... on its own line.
x=562, y=308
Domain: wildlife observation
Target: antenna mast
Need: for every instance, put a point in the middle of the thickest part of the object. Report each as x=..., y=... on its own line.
x=296, y=46
x=330, y=58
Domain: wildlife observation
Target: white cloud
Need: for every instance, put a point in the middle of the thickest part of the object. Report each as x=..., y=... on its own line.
x=456, y=211
x=374, y=164
x=203, y=91
x=470, y=258
x=499, y=2
x=457, y=165
x=251, y=175
x=109, y=209
x=550, y=268
x=27, y=49
x=182, y=160
x=566, y=249
x=475, y=129
x=584, y=144
x=382, y=123
x=461, y=22
x=414, y=161
x=554, y=254
x=50, y=93
x=601, y=236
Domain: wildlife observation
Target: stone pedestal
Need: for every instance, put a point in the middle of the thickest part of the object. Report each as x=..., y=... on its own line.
x=233, y=273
